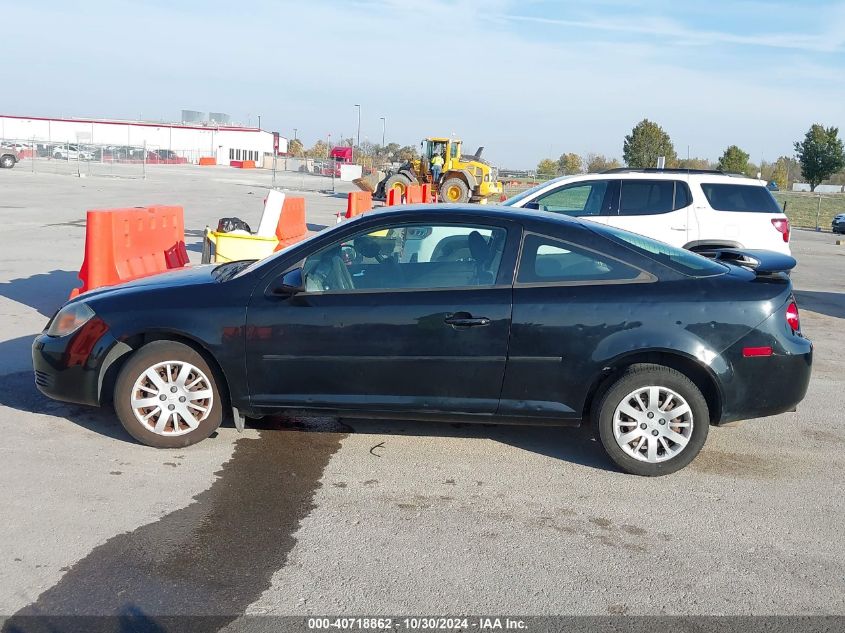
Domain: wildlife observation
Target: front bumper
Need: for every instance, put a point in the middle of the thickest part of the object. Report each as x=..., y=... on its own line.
x=71, y=368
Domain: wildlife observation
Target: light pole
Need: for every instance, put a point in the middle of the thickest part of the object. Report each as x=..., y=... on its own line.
x=294, y=134
x=358, y=143
x=259, y=121
x=383, y=123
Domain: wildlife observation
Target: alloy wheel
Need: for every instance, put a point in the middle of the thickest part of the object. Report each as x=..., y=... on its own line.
x=653, y=424
x=172, y=398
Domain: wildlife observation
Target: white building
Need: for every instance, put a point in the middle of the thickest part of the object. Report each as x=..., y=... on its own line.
x=225, y=143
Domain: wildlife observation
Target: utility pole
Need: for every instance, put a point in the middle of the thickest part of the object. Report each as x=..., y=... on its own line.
x=294, y=134
x=383, y=123
x=259, y=121
x=358, y=143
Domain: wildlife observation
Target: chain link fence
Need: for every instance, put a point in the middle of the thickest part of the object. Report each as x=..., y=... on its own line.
x=86, y=159
x=811, y=210
x=311, y=174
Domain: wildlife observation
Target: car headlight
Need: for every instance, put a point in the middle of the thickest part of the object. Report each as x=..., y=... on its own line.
x=69, y=319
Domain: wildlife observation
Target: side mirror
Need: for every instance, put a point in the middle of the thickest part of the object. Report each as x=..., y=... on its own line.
x=532, y=205
x=289, y=284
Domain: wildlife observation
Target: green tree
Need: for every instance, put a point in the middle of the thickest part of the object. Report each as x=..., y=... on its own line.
x=780, y=173
x=646, y=142
x=320, y=149
x=734, y=161
x=596, y=163
x=820, y=154
x=546, y=168
x=407, y=152
x=569, y=164
x=295, y=147
x=694, y=163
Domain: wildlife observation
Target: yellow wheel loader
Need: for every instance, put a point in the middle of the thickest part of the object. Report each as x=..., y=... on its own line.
x=462, y=178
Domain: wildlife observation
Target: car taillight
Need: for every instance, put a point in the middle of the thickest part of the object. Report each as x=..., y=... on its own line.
x=792, y=316
x=782, y=226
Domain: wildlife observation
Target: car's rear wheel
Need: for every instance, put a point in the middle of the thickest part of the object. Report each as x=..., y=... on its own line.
x=166, y=396
x=653, y=420
x=7, y=162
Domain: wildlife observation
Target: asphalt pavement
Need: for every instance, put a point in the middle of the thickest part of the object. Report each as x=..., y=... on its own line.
x=316, y=515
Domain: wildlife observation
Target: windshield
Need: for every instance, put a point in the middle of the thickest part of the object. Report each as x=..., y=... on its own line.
x=270, y=261
x=510, y=202
x=678, y=259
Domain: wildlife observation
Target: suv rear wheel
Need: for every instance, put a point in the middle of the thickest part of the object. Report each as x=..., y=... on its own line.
x=7, y=161
x=652, y=420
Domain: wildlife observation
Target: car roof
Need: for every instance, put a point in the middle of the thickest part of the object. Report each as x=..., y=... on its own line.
x=490, y=211
x=645, y=174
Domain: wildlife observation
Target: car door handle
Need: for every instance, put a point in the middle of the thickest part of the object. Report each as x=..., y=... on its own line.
x=678, y=228
x=464, y=319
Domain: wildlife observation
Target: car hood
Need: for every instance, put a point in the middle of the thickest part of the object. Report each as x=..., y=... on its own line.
x=178, y=278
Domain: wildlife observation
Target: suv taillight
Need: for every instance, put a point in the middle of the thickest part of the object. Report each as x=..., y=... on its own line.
x=792, y=316
x=782, y=226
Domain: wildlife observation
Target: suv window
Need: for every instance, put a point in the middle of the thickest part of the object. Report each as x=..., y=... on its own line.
x=678, y=259
x=395, y=257
x=548, y=260
x=586, y=198
x=652, y=197
x=748, y=198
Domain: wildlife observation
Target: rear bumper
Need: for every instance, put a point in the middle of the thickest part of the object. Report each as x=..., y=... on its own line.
x=71, y=368
x=766, y=385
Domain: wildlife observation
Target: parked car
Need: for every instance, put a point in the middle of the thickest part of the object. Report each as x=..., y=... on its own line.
x=538, y=319
x=696, y=210
x=9, y=157
x=71, y=152
x=838, y=223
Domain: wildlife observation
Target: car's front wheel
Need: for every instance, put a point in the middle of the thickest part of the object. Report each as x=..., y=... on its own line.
x=7, y=162
x=653, y=420
x=166, y=396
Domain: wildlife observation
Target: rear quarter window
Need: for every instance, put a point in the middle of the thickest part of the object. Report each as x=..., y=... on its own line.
x=742, y=198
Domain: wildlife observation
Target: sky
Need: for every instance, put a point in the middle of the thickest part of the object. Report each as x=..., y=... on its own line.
x=527, y=79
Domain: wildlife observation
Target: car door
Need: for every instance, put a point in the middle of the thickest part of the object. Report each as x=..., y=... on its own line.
x=380, y=327
x=568, y=299
x=595, y=200
x=660, y=209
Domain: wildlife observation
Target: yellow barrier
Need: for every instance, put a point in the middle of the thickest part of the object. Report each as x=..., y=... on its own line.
x=232, y=247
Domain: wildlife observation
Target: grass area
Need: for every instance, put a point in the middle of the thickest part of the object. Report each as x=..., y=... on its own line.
x=803, y=209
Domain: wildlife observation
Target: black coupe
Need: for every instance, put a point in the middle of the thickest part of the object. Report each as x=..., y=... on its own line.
x=447, y=312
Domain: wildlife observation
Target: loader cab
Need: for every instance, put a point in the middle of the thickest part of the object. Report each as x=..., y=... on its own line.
x=449, y=149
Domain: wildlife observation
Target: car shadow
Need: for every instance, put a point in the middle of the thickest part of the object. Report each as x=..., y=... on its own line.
x=829, y=303
x=575, y=445
x=45, y=292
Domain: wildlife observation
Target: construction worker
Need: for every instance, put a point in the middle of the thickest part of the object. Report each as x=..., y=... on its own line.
x=436, y=167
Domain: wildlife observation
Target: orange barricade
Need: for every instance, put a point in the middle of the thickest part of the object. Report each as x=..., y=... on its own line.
x=125, y=244
x=208, y=160
x=242, y=164
x=414, y=194
x=394, y=197
x=292, y=227
x=429, y=193
x=358, y=202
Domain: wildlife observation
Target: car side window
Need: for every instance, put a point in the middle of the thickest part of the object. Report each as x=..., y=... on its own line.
x=653, y=197
x=410, y=256
x=586, y=198
x=547, y=260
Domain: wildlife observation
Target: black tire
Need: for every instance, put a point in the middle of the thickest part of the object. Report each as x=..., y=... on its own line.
x=136, y=365
x=399, y=181
x=454, y=190
x=646, y=375
x=7, y=161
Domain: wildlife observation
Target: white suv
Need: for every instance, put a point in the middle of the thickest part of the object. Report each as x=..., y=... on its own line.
x=697, y=210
